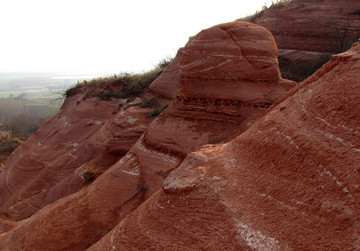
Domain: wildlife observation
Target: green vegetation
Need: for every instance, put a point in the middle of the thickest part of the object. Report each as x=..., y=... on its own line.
x=125, y=85
x=280, y=3
x=164, y=63
x=148, y=102
x=89, y=174
x=27, y=82
x=7, y=145
x=26, y=101
x=252, y=18
x=38, y=95
x=22, y=116
x=156, y=112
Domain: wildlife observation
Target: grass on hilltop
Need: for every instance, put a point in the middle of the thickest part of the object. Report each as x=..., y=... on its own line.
x=252, y=18
x=125, y=85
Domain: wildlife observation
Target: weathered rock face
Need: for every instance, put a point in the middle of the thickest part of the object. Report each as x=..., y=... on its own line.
x=229, y=76
x=71, y=138
x=289, y=182
x=313, y=26
x=307, y=31
x=229, y=103
x=231, y=52
x=219, y=95
x=84, y=138
x=166, y=85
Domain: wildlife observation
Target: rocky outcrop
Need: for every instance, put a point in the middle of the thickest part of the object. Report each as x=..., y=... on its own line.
x=313, y=26
x=166, y=85
x=229, y=76
x=213, y=105
x=32, y=175
x=308, y=31
x=84, y=138
x=289, y=182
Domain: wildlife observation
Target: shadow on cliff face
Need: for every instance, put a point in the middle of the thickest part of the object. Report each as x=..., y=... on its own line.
x=301, y=70
x=98, y=123
x=290, y=182
x=308, y=32
x=223, y=81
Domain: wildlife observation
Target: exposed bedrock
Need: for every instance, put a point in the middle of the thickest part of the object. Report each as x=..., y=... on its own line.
x=213, y=105
x=74, y=136
x=229, y=76
x=290, y=182
x=313, y=25
x=308, y=31
x=84, y=138
x=166, y=85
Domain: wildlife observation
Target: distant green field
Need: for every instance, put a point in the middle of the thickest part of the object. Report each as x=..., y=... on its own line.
x=33, y=95
x=27, y=100
x=23, y=113
x=21, y=81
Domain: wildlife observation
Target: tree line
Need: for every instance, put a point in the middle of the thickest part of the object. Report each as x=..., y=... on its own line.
x=21, y=117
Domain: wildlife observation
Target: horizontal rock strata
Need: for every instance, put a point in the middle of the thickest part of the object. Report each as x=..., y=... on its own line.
x=308, y=31
x=194, y=119
x=85, y=137
x=289, y=182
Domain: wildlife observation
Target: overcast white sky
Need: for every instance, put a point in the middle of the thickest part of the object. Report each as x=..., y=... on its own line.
x=105, y=36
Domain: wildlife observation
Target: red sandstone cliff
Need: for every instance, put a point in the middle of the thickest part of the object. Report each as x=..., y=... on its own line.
x=235, y=65
x=84, y=138
x=307, y=31
x=290, y=182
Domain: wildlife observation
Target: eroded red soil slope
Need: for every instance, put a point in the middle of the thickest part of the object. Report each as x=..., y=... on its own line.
x=228, y=77
x=290, y=182
x=84, y=138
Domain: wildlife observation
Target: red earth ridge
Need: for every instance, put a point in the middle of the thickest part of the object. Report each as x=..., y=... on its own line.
x=241, y=159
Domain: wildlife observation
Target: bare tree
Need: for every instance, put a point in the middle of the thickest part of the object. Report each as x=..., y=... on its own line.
x=345, y=35
x=342, y=32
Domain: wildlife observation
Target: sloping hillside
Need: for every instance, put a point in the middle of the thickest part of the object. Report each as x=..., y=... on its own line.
x=290, y=182
x=93, y=129
x=215, y=152
x=226, y=105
